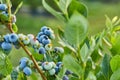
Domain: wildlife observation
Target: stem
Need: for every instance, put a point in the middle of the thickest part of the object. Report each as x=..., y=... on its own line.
x=9, y=25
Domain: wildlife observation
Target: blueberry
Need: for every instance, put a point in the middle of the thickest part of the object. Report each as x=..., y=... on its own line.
x=65, y=78
x=47, y=65
x=52, y=71
x=68, y=72
x=46, y=41
x=3, y=7
x=6, y=46
x=24, y=59
x=42, y=50
x=59, y=64
x=6, y=38
x=26, y=40
x=23, y=62
x=48, y=32
x=13, y=38
x=30, y=36
x=58, y=50
x=40, y=38
x=48, y=47
x=44, y=28
x=57, y=69
x=27, y=71
x=40, y=34
x=52, y=36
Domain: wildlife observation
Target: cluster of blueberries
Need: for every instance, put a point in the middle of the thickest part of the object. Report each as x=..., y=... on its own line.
x=25, y=66
x=4, y=16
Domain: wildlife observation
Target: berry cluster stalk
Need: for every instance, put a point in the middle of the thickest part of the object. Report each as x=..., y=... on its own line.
x=9, y=25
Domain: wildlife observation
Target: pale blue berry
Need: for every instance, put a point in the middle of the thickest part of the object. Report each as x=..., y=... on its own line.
x=44, y=28
x=13, y=38
x=3, y=7
x=40, y=38
x=47, y=65
x=52, y=72
x=6, y=46
x=27, y=71
x=58, y=50
x=48, y=32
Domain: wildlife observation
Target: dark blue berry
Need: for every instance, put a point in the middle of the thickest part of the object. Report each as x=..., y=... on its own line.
x=68, y=72
x=42, y=50
x=65, y=77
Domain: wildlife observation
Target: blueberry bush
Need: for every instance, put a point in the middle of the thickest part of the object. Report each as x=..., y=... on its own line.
x=81, y=57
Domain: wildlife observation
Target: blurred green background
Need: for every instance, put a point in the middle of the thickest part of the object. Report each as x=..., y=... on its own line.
x=32, y=16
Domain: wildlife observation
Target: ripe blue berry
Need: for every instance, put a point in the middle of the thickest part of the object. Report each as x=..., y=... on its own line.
x=59, y=64
x=22, y=65
x=46, y=41
x=68, y=72
x=6, y=38
x=23, y=62
x=44, y=28
x=24, y=59
x=57, y=69
x=48, y=32
x=27, y=71
x=40, y=38
x=42, y=50
x=13, y=38
x=65, y=78
x=6, y=46
x=3, y=7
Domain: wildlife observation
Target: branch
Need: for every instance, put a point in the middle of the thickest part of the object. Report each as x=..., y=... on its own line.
x=9, y=26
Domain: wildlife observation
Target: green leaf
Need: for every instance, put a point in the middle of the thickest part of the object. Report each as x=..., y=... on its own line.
x=105, y=66
x=52, y=11
x=91, y=76
x=115, y=75
x=115, y=63
x=76, y=29
x=5, y=65
x=14, y=27
x=77, y=6
x=108, y=22
x=116, y=45
x=38, y=56
x=63, y=4
x=70, y=64
x=84, y=52
x=63, y=41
